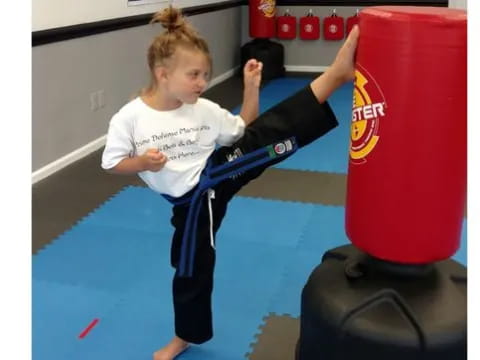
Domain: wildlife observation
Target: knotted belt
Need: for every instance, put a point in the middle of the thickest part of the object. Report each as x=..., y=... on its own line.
x=210, y=177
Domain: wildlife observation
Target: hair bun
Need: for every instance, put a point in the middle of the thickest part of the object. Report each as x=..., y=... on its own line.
x=171, y=19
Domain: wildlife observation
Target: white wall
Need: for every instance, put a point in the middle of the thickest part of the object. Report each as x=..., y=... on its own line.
x=47, y=14
x=457, y=4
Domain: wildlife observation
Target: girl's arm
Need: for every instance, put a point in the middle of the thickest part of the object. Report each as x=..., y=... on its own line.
x=252, y=77
x=152, y=160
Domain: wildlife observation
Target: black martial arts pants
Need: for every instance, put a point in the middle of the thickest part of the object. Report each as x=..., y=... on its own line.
x=300, y=116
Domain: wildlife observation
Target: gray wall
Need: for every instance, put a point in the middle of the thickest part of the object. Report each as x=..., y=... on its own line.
x=65, y=73
x=305, y=52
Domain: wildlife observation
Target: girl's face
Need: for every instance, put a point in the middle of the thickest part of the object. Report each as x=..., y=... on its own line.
x=187, y=75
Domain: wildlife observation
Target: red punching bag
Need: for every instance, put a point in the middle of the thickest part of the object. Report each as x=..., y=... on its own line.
x=262, y=18
x=406, y=185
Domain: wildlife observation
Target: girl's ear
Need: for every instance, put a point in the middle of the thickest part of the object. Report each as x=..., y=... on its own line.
x=161, y=73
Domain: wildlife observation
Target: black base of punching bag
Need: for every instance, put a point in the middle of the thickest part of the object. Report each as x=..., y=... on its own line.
x=270, y=53
x=357, y=307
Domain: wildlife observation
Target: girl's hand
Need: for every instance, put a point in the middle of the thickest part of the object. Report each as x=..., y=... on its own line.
x=343, y=67
x=153, y=160
x=252, y=73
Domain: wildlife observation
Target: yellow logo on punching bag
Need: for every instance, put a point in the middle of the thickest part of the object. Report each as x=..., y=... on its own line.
x=368, y=107
x=267, y=7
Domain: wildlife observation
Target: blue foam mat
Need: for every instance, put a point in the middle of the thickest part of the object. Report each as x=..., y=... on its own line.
x=277, y=90
x=102, y=257
x=141, y=210
x=257, y=220
x=61, y=312
x=138, y=326
x=114, y=265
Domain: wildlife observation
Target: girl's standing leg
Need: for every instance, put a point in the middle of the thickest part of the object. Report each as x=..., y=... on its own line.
x=192, y=295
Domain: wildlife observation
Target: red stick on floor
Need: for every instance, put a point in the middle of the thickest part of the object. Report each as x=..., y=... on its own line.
x=87, y=330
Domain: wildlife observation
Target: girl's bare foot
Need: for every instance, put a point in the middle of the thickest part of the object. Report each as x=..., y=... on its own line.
x=170, y=351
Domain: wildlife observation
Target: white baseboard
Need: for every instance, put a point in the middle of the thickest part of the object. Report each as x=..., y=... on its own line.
x=305, y=68
x=66, y=160
x=223, y=77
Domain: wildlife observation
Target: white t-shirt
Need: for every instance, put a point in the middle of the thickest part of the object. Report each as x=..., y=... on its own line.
x=186, y=135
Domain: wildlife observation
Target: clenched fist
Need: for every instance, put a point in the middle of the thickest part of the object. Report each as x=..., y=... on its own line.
x=252, y=73
x=153, y=160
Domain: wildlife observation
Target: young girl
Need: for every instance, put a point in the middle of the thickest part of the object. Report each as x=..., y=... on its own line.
x=168, y=136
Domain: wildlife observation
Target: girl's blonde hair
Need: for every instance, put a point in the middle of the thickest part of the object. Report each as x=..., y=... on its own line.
x=178, y=33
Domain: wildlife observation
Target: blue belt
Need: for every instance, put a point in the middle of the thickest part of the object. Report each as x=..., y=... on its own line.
x=210, y=177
